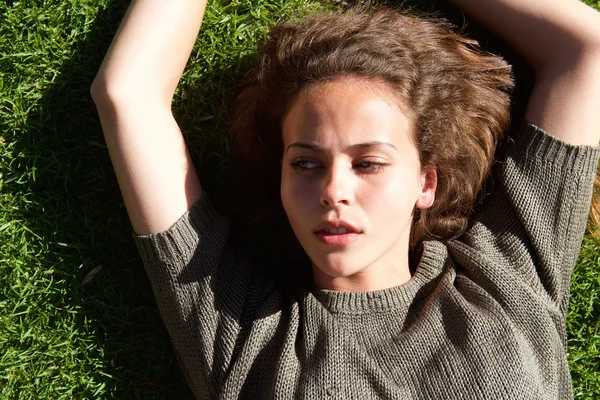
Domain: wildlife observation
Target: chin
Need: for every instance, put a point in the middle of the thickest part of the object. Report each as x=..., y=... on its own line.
x=340, y=267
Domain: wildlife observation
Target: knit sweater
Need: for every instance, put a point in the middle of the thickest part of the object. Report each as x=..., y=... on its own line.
x=483, y=317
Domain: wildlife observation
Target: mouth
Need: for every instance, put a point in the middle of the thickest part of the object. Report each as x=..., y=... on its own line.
x=335, y=231
x=336, y=227
x=337, y=236
x=337, y=239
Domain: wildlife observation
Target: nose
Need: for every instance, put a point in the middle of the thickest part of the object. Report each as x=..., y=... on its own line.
x=336, y=188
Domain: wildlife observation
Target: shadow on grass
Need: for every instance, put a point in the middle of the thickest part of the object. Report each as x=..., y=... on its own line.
x=78, y=211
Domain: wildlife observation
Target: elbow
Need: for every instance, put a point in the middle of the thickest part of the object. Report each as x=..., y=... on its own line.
x=568, y=44
x=594, y=45
x=98, y=90
x=593, y=38
x=585, y=35
x=586, y=58
x=586, y=47
x=589, y=44
x=580, y=54
x=104, y=92
x=124, y=93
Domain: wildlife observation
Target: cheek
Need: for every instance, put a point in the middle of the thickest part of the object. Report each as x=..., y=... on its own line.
x=296, y=193
x=394, y=193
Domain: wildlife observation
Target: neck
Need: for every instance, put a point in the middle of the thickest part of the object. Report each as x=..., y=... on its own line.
x=372, y=278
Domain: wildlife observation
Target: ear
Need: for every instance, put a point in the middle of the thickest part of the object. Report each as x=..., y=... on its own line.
x=428, y=186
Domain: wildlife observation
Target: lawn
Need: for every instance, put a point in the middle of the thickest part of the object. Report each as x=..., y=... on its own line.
x=77, y=315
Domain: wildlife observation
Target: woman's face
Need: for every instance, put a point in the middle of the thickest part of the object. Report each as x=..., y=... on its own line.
x=350, y=181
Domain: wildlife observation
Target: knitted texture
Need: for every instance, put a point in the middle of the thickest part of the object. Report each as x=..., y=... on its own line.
x=483, y=317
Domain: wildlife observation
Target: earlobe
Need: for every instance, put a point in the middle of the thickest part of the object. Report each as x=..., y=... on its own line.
x=428, y=186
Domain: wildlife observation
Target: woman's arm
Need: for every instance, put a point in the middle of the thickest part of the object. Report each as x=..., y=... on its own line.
x=560, y=39
x=133, y=91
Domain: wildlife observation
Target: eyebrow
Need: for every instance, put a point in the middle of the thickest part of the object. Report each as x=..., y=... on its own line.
x=365, y=145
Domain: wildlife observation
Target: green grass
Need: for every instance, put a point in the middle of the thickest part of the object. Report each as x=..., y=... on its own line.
x=583, y=322
x=61, y=214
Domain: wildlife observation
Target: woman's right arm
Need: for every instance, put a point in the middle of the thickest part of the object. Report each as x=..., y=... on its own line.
x=535, y=219
x=133, y=91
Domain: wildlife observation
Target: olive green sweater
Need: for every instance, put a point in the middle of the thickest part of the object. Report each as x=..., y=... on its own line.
x=482, y=318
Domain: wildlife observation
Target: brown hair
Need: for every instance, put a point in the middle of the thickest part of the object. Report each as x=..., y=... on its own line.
x=456, y=95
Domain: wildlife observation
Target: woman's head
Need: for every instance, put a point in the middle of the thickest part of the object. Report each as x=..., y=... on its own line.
x=451, y=97
x=350, y=162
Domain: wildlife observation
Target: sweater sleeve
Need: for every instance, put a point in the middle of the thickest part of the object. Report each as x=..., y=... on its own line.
x=534, y=220
x=201, y=286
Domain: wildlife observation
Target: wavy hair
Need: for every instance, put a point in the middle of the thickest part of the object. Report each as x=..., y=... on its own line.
x=456, y=95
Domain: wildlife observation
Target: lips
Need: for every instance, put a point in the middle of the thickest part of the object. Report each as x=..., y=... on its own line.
x=336, y=227
x=337, y=233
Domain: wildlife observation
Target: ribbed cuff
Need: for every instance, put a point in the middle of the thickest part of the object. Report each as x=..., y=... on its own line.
x=178, y=243
x=535, y=142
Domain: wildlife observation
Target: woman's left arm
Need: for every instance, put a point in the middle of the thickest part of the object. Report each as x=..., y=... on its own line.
x=560, y=40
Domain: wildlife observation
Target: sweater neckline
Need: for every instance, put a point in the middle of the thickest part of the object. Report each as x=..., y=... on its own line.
x=430, y=267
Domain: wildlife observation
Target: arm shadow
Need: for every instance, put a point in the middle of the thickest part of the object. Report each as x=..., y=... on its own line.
x=75, y=209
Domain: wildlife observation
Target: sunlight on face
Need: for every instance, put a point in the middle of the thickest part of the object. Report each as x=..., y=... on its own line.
x=350, y=180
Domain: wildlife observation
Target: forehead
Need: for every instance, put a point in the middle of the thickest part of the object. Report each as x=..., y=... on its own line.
x=345, y=112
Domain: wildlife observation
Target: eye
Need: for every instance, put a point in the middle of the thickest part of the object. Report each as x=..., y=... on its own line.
x=364, y=167
x=303, y=165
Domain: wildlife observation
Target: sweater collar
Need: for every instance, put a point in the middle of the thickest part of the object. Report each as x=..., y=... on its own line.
x=433, y=260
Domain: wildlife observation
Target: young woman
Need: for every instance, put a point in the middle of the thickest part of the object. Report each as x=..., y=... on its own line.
x=380, y=129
